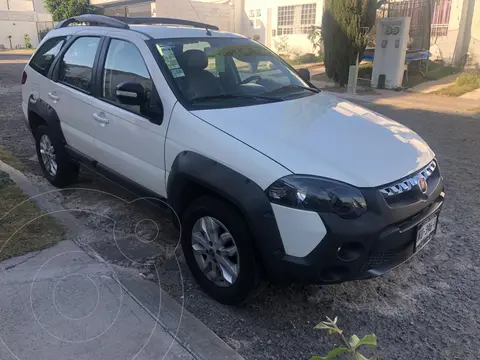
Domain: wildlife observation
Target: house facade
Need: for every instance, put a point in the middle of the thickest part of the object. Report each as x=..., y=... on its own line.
x=19, y=18
x=268, y=21
x=455, y=36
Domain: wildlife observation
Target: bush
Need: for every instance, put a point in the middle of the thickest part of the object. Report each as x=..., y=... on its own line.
x=306, y=58
x=27, y=41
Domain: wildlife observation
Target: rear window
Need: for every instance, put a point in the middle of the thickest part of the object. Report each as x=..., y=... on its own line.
x=44, y=57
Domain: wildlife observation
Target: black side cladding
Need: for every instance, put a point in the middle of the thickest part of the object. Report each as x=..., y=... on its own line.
x=190, y=168
x=46, y=113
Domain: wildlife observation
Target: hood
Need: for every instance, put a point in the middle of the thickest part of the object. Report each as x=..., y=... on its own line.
x=326, y=136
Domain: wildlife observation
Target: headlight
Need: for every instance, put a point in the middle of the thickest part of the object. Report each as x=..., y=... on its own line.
x=317, y=194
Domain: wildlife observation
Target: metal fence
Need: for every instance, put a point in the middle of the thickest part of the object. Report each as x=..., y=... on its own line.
x=420, y=12
x=430, y=19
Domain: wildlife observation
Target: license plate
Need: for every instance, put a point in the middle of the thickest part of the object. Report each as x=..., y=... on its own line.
x=426, y=230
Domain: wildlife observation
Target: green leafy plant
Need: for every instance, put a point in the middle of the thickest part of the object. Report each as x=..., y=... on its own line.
x=64, y=9
x=351, y=346
x=27, y=41
x=284, y=49
x=315, y=37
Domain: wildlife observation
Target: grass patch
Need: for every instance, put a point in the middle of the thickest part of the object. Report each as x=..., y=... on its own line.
x=37, y=235
x=436, y=71
x=11, y=160
x=465, y=83
x=440, y=72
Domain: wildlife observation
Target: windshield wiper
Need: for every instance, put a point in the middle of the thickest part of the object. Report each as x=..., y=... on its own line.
x=286, y=87
x=234, y=96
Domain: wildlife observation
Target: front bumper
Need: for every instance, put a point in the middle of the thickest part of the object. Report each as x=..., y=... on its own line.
x=378, y=241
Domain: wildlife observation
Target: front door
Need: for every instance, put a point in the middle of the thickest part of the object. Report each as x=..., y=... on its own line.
x=130, y=140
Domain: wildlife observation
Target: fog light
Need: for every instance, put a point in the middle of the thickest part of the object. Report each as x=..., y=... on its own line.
x=350, y=251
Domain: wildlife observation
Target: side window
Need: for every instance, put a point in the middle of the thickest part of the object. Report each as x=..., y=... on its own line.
x=124, y=62
x=76, y=68
x=44, y=57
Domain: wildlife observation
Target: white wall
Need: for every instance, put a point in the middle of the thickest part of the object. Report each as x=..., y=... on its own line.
x=216, y=13
x=298, y=42
x=16, y=5
x=19, y=23
x=443, y=47
x=17, y=29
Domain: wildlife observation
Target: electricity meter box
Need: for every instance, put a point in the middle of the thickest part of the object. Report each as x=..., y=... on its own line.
x=390, y=51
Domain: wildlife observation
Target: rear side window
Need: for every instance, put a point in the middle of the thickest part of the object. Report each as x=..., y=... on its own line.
x=76, y=67
x=44, y=57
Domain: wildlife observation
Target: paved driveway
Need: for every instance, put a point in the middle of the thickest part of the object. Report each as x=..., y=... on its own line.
x=427, y=309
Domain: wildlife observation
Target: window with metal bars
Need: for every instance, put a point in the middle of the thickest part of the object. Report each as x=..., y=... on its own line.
x=296, y=19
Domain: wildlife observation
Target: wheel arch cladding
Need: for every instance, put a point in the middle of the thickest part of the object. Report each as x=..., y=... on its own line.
x=249, y=198
x=39, y=110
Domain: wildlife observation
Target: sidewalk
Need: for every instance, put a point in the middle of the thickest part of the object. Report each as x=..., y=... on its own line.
x=408, y=100
x=62, y=303
x=435, y=85
x=17, y=52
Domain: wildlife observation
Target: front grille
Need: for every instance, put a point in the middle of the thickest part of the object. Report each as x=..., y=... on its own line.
x=406, y=193
x=380, y=259
x=409, y=183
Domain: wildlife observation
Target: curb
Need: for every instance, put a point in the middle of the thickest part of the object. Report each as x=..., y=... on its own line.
x=193, y=335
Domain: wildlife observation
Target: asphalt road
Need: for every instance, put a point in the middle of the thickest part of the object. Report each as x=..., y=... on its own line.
x=427, y=309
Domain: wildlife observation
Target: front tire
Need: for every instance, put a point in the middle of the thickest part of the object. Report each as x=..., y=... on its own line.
x=56, y=164
x=218, y=249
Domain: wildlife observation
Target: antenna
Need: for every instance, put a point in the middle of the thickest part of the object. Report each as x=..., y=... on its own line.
x=199, y=18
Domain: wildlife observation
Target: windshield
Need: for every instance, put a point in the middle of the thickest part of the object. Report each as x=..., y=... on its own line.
x=226, y=72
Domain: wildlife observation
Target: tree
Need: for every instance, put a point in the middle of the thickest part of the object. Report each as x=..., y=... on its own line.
x=64, y=9
x=345, y=26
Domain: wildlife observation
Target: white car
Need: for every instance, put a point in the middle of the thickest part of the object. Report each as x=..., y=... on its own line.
x=271, y=178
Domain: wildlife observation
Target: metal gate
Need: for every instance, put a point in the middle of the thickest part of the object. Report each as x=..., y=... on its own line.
x=421, y=13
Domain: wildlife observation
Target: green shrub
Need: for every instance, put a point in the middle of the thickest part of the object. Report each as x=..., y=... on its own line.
x=27, y=41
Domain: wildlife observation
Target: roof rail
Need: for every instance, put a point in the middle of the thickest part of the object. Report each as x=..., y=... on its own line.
x=120, y=22
x=164, y=21
x=93, y=19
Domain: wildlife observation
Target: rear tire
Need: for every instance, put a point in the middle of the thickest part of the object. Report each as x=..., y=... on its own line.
x=230, y=221
x=57, y=166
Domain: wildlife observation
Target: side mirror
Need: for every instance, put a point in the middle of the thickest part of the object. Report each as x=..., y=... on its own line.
x=131, y=93
x=304, y=74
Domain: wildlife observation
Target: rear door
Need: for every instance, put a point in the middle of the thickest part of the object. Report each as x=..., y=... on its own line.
x=131, y=138
x=37, y=81
x=70, y=93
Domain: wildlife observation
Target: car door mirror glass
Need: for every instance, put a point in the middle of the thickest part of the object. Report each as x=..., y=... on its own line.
x=131, y=93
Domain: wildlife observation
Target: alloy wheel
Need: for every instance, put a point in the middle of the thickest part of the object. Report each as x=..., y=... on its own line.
x=47, y=153
x=215, y=251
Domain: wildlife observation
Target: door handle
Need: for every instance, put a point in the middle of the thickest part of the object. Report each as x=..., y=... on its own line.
x=53, y=97
x=100, y=119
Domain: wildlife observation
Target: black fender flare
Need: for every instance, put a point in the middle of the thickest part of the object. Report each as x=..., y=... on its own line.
x=48, y=114
x=242, y=192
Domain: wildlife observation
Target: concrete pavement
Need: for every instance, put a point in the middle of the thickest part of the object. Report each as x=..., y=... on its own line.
x=62, y=303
